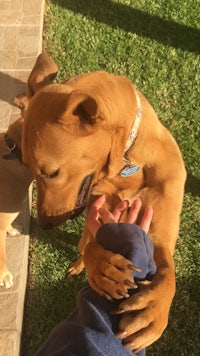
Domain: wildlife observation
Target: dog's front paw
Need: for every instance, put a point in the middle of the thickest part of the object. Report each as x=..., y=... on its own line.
x=6, y=279
x=110, y=275
x=76, y=267
x=144, y=315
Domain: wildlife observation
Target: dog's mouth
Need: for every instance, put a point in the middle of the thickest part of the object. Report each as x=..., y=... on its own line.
x=82, y=197
x=47, y=222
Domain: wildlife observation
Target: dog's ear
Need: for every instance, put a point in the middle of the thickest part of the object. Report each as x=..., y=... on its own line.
x=42, y=74
x=79, y=106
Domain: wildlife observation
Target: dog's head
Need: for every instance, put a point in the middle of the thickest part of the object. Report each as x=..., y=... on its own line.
x=74, y=135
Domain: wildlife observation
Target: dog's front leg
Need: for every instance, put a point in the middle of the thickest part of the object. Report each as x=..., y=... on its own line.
x=145, y=314
x=78, y=265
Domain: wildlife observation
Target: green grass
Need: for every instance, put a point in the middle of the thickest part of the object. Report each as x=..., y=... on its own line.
x=156, y=44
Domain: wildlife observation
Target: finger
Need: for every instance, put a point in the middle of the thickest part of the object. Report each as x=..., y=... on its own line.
x=146, y=219
x=119, y=210
x=98, y=203
x=106, y=216
x=134, y=211
x=92, y=218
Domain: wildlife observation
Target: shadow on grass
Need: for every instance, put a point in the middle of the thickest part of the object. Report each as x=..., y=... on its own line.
x=52, y=303
x=122, y=16
x=192, y=185
x=51, y=293
x=46, y=306
x=182, y=334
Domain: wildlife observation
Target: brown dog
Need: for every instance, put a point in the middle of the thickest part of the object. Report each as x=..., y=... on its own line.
x=96, y=134
x=15, y=177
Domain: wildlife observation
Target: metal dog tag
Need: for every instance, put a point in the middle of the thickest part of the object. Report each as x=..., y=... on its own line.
x=129, y=170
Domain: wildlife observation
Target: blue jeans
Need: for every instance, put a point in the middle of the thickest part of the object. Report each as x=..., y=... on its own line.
x=90, y=329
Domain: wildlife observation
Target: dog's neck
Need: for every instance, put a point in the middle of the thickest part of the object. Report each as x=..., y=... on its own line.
x=134, y=128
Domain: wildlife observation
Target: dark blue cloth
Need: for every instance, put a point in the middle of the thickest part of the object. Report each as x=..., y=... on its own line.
x=90, y=330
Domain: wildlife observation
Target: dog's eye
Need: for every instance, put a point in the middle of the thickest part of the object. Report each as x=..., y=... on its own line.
x=53, y=174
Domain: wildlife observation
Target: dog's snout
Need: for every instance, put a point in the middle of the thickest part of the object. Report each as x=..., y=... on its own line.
x=48, y=222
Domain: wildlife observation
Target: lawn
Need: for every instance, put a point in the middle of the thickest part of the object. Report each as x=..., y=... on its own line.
x=156, y=44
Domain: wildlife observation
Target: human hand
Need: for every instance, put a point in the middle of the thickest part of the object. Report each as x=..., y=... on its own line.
x=97, y=215
x=110, y=274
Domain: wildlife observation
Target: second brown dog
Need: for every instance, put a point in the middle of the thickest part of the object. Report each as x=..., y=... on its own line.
x=15, y=176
